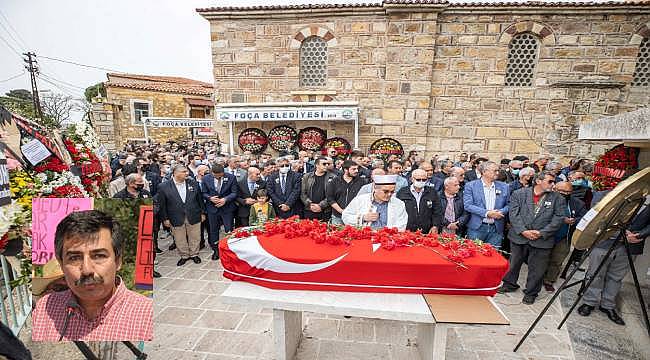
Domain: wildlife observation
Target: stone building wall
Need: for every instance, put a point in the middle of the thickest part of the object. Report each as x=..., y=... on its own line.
x=433, y=77
x=164, y=105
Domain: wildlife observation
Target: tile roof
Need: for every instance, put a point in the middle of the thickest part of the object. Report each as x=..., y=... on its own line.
x=464, y=3
x=171, y=84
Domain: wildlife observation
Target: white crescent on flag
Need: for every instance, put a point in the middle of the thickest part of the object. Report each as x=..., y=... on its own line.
x=251, y=251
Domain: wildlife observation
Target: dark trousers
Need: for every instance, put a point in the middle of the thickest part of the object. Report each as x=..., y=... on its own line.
x=216, y=220
x=156, y=228
x=243, y=221
x=205, y=227
x=322, y=216
x=537, y=260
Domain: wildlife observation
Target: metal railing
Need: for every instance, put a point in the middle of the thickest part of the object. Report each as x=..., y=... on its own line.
x=16, y=304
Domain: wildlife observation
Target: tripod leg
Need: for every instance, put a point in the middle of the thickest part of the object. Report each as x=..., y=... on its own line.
x=591, y=280
x=636, y=285
x=550, y=302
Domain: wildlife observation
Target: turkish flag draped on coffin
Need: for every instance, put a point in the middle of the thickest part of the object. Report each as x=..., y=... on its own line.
x=302, y=264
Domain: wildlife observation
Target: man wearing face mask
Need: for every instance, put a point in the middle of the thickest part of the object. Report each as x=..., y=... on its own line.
x=283, y=188
x=343, y=189
x=422, y=204
x=536, y=214
x=134, y=188
x=575, y=210
x=581, y=188
x=524, y=178
x=512, y=173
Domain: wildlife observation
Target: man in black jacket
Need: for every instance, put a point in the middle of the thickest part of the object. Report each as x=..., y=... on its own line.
x=283, y=187
x=314, y=189
x=247, y=187
x=343, y=189
x=422, y=204
x=574, y=212
x=454, y=219
x=182, y=209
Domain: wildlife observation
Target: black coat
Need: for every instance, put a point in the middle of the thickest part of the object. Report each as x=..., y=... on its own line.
x=430, y=213
x=471, y=176
x=172, y=207
x=290, y=196
x=243, y=194
x=640, y=225
x=462, y=216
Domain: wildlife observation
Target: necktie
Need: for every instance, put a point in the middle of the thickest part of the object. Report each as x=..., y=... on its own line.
x=218, y=186
x=282, y=183
x=251, y=187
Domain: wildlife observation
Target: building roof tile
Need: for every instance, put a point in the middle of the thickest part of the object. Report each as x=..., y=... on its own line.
x=171, y=84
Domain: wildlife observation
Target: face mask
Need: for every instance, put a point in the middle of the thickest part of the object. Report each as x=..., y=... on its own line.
x=197, y=162
x=579, y=183
x=284, y=170
x=419, y=184
x=516, y=171
x=139, y=187
x=406, y=169
x=306, y=159
x=253, y=163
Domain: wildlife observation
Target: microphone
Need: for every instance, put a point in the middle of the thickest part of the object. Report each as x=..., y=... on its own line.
x=69, y=308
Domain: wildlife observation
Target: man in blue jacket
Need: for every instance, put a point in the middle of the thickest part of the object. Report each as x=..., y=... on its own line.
x=487, y=202
x=220, y=192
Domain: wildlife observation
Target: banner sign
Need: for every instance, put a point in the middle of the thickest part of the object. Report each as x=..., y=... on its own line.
x=5, y=190
x=204, y=132
x=178, y=122
x=46, y=215
x=144, y=251
x=313, y=113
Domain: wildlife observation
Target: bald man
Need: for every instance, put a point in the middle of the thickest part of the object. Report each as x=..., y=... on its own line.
x=422, y=204
x=247, y=187
x=574, y=212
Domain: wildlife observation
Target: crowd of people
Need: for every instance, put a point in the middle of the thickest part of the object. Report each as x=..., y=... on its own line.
x=528, y=208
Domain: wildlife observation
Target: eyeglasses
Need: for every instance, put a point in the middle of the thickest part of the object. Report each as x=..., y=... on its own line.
x=420, y=179
x=283, y=166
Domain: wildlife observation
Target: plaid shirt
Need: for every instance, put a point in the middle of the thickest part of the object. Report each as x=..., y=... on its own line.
x=125, y=316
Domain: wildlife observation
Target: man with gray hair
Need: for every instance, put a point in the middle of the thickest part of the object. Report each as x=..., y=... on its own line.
x=524, y=179
x=512, y=173
x=451, y=201
x=445, y=166
x=459, y=173
x=487, y=202
x=134, y=188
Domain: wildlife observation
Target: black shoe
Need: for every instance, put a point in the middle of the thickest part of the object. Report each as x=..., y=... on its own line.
x=612, y=315
x=172, y=246
x=215, y=255
x=156, y=274
x=196, y=259
x=585, y=310
x=158, y=251
x=181, y=262
x=507, y=289
x=528, y=300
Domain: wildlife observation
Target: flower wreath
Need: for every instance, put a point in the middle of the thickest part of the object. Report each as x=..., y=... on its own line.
x=253, y=140
x=341, y=145
x=613, y=165
x=385, y=147
x=311, y=138
x=282, y=137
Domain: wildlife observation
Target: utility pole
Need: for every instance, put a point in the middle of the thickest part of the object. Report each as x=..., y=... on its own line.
x=33, y=70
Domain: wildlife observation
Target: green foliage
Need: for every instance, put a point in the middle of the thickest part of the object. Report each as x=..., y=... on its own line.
x=126, y=213
x=20, y=102
x=94, y=91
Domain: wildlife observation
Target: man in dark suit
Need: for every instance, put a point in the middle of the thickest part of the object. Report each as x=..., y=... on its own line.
x=283, y=187
x=422, y=204
x=575, y=210
x=454, y=219
x=182, y=209
x=536, y=214
x=475, y=172
x=220, y=194
x=432, y=181
x=247, y=187
x=487, y=202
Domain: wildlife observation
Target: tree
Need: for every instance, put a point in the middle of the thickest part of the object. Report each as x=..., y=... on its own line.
x=20, y=102
x=94, y=91
x=57, y=108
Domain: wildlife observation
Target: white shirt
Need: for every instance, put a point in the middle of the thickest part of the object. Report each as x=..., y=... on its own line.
x=490, y=193
x=417, y=195
x=182, y=191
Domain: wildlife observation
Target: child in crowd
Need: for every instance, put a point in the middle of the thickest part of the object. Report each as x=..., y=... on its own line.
x=261, y=211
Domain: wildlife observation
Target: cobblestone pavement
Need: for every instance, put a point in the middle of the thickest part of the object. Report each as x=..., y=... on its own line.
x=192, y=323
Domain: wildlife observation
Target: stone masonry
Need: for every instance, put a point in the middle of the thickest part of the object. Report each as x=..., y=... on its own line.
x=432, y=75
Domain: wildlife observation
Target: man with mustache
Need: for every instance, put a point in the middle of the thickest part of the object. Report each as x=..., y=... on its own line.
x=97, y=306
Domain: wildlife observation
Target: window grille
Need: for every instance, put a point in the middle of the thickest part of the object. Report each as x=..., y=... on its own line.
x=522, y=59
x=313, y=62
x=642, y=70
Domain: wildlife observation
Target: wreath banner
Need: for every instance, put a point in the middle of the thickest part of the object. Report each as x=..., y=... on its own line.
x=253, y=140
x=385, y=147
x=311, y=138
x=282, y=137
x=341, y=145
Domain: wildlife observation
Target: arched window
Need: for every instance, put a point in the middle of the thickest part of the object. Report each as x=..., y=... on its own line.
x=313, y=62
x=523, y=52
x=642, y=70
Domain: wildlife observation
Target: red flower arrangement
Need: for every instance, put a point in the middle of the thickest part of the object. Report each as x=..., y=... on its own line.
x=613, y=165
x=52, y=163
x=447, y=246
x=4, y=240
x=93, y=176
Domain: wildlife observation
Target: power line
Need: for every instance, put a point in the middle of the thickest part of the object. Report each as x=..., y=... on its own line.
x=79, y=64
x=10, y=46
x=12, y=37
x=13, y=77
x=24, y=43
x=72, y=86
x=63, y=89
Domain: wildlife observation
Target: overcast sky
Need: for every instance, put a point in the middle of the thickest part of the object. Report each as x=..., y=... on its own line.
x=156, y=37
